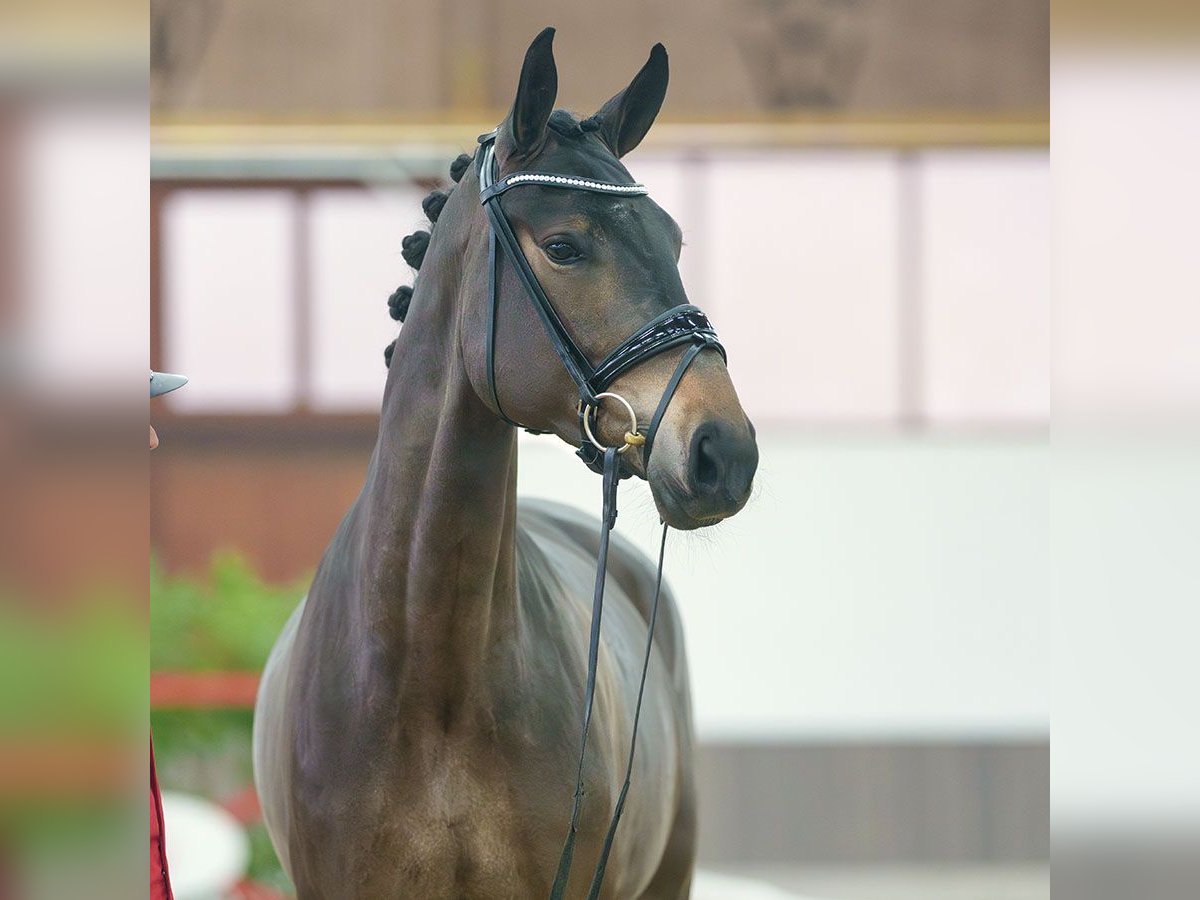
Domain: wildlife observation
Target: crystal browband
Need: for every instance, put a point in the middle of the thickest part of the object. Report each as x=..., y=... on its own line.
x=562, y=181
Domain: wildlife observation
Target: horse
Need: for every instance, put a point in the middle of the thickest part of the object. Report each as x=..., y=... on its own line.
x=418, y=720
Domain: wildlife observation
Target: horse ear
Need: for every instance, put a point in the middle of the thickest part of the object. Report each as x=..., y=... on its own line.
x=524, y=131
x=625, y=119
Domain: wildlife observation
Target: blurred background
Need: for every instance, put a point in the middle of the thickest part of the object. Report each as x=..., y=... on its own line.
x=864, y=192
x=897, y=534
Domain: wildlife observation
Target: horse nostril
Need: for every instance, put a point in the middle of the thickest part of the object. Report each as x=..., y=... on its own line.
x=721, y=466
x=706, y=467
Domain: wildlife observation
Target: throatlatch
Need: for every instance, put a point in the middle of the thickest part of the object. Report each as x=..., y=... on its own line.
x=680, y=325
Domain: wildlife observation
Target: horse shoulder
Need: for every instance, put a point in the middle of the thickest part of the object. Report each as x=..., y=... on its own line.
x=628, y=566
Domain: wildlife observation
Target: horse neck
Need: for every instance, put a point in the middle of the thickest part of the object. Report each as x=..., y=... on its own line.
x=440, y=499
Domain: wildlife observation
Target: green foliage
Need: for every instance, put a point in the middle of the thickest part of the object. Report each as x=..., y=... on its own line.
x=72, y=687
x=74, y=672
x=227, y=621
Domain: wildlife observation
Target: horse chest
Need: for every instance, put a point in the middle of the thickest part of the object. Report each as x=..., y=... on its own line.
x=459, y=782
x=451, y=823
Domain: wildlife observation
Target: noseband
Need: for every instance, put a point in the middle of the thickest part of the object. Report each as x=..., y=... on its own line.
x=681, y=325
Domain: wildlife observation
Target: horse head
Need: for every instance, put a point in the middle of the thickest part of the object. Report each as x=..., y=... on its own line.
x=608, y=264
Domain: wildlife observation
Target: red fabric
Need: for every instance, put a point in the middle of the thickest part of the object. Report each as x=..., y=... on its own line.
x=160, y=881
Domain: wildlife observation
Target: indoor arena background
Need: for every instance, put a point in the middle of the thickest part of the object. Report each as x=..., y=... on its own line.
x=864, y=193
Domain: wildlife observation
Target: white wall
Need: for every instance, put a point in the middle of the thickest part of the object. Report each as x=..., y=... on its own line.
x=873, y=587
x=83, y=248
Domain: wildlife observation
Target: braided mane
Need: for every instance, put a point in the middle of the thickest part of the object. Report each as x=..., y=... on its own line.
x=413, y=247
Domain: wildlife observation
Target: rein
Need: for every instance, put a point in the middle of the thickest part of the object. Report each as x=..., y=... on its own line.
x=684, y=324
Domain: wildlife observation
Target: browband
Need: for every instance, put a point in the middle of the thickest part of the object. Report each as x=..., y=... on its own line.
x=561, y=181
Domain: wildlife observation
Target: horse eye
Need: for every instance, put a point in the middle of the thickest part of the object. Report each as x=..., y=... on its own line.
x=561, y=251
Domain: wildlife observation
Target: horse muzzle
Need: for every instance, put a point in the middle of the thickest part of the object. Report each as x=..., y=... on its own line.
x=711, y=480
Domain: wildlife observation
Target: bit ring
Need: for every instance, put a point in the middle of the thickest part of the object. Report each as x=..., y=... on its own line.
x=632, y=438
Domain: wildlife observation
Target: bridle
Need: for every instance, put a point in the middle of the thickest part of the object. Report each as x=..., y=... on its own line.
x=681, y=325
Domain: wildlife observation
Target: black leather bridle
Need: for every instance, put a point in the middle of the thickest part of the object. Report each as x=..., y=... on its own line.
x=678, y=326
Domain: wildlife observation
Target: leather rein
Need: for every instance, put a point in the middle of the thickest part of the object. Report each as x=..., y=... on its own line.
x=684, y=324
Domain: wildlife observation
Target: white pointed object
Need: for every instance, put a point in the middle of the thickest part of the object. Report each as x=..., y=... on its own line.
x=165, y=382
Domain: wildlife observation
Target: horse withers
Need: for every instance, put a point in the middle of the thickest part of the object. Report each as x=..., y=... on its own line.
x=418, y=723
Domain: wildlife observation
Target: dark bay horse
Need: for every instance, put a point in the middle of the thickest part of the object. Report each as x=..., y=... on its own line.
x=417, y=727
